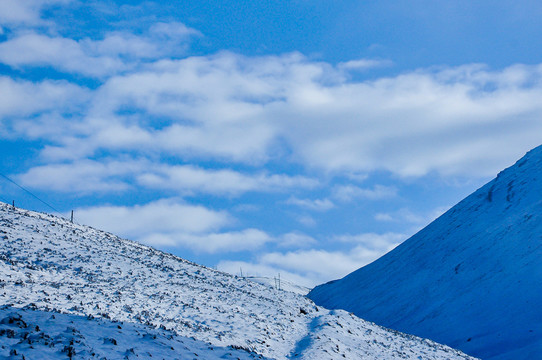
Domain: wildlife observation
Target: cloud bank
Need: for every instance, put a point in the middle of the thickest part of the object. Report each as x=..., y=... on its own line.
x=251, y=110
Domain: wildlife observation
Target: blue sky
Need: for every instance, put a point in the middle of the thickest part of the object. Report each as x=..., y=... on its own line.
x=300, y=137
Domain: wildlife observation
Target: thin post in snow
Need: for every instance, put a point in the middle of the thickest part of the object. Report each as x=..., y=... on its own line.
x=13, y=204
x=72, y=217
x=279, y=281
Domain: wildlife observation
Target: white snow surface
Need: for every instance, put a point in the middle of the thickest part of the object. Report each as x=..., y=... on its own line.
x=47, y=335
x=94, y=280
x=472, y=279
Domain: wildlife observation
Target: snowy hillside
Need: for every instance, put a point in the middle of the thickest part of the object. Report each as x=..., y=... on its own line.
x=472, y=279
x=46, y=335
x=281, y=284
x=129, y=293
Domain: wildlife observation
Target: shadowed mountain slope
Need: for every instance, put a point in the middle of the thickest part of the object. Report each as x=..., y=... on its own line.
x=472, y=279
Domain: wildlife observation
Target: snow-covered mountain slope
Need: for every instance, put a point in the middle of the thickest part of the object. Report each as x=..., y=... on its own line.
x=44, y=335
x=52, y=265
x=472, y=279
x=281, y=284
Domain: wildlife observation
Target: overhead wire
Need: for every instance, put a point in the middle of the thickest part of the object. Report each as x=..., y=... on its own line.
x=31, y=194
x=4, y=200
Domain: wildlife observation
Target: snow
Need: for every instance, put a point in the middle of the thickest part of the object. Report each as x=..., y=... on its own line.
x=49, y=266
x=471, y=279
x=48, y=335
x=281, y=284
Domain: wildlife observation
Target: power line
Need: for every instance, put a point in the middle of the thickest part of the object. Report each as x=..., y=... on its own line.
x=29, y=192
x=4, y=200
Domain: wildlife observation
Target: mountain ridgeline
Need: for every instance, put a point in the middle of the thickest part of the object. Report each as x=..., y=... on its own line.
x=472, y=279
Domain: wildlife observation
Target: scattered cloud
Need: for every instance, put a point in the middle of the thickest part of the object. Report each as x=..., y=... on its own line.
x=25, y=12
x=227, y=107
x=348, y=193
x=173, y=30
x=234, y=241
x=91, y=176
x=316, y=204
x=305, y=267
x=252, y=269
x=117, y=52
x=306, y=220
x=320, y=262
x=24, y=100
x=383, y=217
x=67, y=55
x=164, y=217
x=193, y=179
x=84, y=177
x=312, y=267
x=382, y=242
x=296, y=240
x=173, y=223
x=408, y=216
x=363, y=64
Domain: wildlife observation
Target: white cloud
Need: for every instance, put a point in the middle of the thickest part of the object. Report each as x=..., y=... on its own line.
x=85, y=176
x=418, y=122
x=408, y=216
x=248, y=110
x=251, y=269
x=296, y=239
x=116, y=52
x=106, y=175
x=331, y=264
x=260, y=270
x=350, y=192
x=160, y=217
x=68, y=55
x=306, y=220
x=305, y=267
x=171, y=223
x=316, y=205
x=363, y=64
x=188, y=178
x=226, y=107
x=312, y=267
x=381, y=242
x=233, y=241
x=173, y=30
x=24, y=12
x=383, y=217
x=25, y=98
